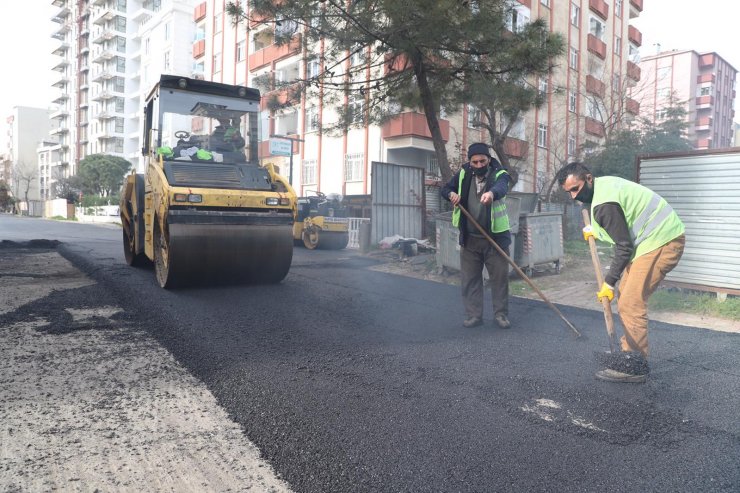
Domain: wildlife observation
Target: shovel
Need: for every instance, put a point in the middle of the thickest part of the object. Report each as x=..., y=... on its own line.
x=608, y=318
x=518, y=270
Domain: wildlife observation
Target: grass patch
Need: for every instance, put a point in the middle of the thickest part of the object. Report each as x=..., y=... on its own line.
x=694, y=302
x=62, y=218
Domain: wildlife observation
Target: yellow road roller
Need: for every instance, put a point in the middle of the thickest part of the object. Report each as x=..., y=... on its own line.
x=204, y=210
x=321, y=222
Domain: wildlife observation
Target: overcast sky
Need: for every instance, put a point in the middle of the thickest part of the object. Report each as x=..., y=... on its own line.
x=26, y=27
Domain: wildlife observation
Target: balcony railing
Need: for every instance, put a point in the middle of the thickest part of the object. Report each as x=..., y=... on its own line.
x=594, y=127
x=595, y=86
x=700, y=79
x=633, y=71
x=706, y=60
x=704, y=143
x=703, y=123
x=596, y=46
x=412, y=124
x=199, y=48
x=632, y=106
x=272, y=53
x=703, y=102
x=516, y=148
x=199, y=12
x=634, y=35
x=600, y=7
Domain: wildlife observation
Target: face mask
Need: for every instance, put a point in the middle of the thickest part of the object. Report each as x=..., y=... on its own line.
x=479, y=171
x=586, y=194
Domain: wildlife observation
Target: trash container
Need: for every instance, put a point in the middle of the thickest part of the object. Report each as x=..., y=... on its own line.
x=540, y=240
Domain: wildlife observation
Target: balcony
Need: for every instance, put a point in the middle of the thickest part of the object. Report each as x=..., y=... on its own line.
x=102, y=56
x=62, y=31
x=61, y=66
x=704, y=78
x=103, y=96
x=516, y=148
x=61, y=98
x=594, y=127
x=595, y=86
x=703, y=123
x=62, y=15
x=102, y=35
x=102, y=75
x=706, y=60
x=596, y=46
x=634, y=35
x=274, y=53
x=199, y=48
x=397, y=63
x=635, y=8
x=632, y=106
x=704, y=102
x=599, y=7
x=412, y=124
x=59, y=131
x=105, y=115
x=199, y=12
x=61, y=49
x=141, y=15
x=60, y=113
x=633, y=71
x=59, y=3
x=105, y=15
x=704, y=143
x=97, y=2
x=61, y=82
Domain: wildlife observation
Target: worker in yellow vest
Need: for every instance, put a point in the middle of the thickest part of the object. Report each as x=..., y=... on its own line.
x=480, y=186
x=648, y=237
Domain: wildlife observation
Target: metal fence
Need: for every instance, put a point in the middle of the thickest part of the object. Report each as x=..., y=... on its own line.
x=354, y=231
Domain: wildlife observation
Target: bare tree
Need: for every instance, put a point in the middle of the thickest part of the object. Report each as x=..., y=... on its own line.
x=23, y=176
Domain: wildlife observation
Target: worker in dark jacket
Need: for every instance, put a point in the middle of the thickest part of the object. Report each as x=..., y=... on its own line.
x=480, y=186
x=648, y=239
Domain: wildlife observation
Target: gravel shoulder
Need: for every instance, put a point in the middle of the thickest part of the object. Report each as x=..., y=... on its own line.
x=89, y=402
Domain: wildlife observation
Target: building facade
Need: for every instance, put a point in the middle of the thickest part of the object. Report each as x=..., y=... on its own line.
x=26, y=129
x=703, y=82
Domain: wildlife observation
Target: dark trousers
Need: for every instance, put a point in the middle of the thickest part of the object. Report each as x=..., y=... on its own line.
x=476, y=254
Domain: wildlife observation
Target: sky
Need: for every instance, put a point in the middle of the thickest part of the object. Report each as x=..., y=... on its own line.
x=26, y=27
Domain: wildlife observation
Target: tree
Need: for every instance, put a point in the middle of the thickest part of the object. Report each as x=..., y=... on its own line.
x=24, y=175
x=67, y=188
x=6, y=199
x=384, y=55
x=102, y=174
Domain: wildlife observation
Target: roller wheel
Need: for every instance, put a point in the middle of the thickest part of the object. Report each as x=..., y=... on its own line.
x=129, y=248
x=311, y=238
x=162, y=260
x=334, y=240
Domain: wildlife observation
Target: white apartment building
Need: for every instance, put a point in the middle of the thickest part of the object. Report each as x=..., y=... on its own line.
x=26, y=128
x=110, y=54
x=593, y=81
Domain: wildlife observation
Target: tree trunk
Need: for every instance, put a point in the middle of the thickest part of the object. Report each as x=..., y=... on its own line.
x=430, y=112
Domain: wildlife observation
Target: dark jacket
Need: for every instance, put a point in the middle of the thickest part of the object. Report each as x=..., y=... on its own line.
x=499, y=187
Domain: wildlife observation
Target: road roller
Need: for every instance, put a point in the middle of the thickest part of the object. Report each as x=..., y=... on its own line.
x=321, y=222
x=204, y=210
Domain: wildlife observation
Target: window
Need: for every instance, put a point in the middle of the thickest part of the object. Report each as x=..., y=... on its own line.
x=597, y=28
x=616, y=82
x=312, y=119
x=618, y=8
x=575, y=15
x=572, y=101
x=118, y=145
x=119, y=104
x=546, y=3
x=167, y=60
x=353, y=166
x=241, y=51
x=218, y=23
x=119, y=125
x=634, y=54
x=147, y=46
x=594, y=110
x=309, y=172
x=543, y=86
x=661, y=114
x=120, y=44
x=618, y=46
x=705, y=91
x=356, y=107
x=285, y=28
x=358, y=56
x=120, y=64
x=120, y=24
x=664, y=73
x=571, y=145
x=216, y=63
x=432, y=165
x=573, y=58
x=542, y=135
x=474, y=116
x=119, y=84
x=312, y=69
x=517, y=18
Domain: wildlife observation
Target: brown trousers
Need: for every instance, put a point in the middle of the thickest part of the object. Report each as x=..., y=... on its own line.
x=639, y=280
x=476, y=254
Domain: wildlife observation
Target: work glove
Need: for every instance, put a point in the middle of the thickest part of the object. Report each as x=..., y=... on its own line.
x=588, y=232
x=606, y=292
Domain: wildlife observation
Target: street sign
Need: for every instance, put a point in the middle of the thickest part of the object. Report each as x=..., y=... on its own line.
x=281, y=147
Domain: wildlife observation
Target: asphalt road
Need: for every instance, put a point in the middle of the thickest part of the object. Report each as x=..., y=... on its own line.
x=348, y=379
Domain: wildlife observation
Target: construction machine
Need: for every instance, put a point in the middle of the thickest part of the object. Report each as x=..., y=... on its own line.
x=321, y=222
x=205, y=210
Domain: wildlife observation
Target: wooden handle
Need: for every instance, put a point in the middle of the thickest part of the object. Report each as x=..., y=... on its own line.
x=605, y=303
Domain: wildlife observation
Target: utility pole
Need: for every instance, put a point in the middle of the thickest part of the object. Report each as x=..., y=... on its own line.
x=291, y=139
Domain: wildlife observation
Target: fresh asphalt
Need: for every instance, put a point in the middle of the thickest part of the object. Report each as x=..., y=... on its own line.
x=352, y=380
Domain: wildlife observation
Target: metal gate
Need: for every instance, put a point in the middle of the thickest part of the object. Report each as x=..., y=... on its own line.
x=398, y=201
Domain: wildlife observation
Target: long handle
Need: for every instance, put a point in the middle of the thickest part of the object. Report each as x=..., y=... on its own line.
x=608, y=318
x=518, y=270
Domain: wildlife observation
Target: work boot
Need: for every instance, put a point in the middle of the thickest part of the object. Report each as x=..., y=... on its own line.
x=472, y=322
x=502, y=321
x=610, y=375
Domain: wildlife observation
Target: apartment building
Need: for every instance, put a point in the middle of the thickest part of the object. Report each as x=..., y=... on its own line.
x=587, y=97
x=26, y=128
x=703, y=82
x=110, y=54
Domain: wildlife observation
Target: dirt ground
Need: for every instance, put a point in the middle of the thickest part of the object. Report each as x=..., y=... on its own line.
x=575, y=285
x=90, y=403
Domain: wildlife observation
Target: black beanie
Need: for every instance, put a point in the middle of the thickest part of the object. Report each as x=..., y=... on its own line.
x=478, y=148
